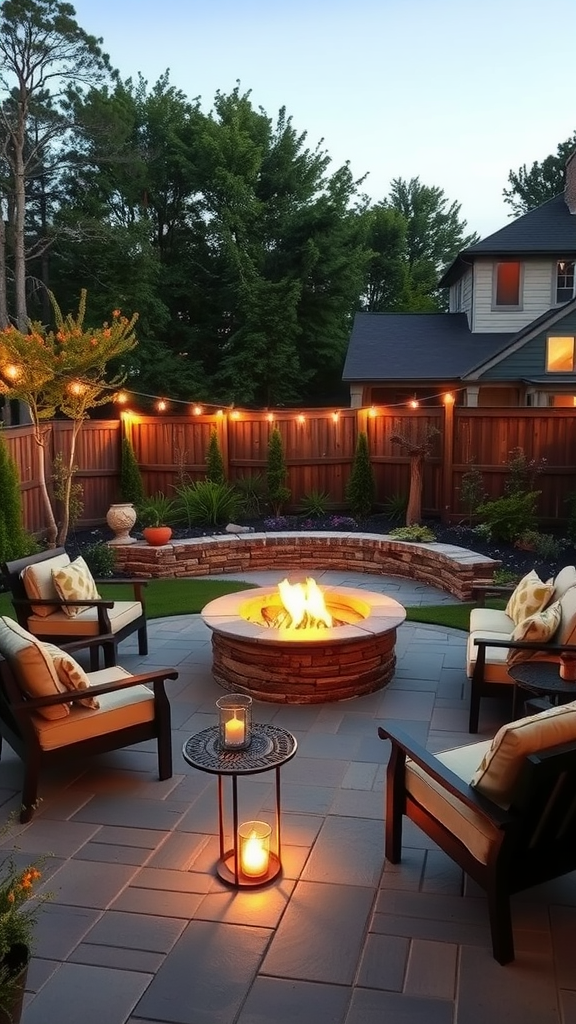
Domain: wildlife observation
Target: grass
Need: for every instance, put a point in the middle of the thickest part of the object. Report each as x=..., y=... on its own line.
x=188, y=597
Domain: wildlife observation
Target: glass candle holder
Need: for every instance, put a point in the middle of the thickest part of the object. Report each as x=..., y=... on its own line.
x=234, y=721
x=254, y=843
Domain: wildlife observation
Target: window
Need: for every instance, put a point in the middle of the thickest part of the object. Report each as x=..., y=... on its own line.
x=507, y=285
x=565, y=280
x=560, y=354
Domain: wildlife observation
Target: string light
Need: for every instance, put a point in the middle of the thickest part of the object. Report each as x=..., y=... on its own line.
x=301, y=419
x=335, y=416
x=270, y=417
x=121, y=398
x=161, y=405
x=414, y=403
x=235, y=414
x=197, y=410
x=372, y=412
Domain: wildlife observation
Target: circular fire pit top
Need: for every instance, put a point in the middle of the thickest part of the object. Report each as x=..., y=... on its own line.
x=364, y=612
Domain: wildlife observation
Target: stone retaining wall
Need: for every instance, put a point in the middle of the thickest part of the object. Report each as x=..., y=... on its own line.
x=440, y=565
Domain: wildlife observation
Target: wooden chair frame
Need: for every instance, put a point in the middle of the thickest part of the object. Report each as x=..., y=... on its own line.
x=536, y=836
x=23, y=609
x=17, y=729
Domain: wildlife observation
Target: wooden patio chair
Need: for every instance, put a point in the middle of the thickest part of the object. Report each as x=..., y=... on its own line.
x=45, y=720
x=504, y=811
x=42, y=611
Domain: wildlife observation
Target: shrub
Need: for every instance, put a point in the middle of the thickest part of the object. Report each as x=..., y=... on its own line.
x=100, y=559
x=214, y=460
x=510, y=516
x=415, y=532
x=157, y=510
x=471, y=491
x=252, y=490
x=206, y=503
x=314, y=503
x=395, y=505
x=15, y=542
x=361, y=487
x=131, y=486
x=277, y=491
x=522, y=472
x=545, y=545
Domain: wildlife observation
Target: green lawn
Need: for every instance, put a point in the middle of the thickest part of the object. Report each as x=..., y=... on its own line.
x=182, y=597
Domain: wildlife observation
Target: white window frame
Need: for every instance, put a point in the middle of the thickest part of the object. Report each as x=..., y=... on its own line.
x=569, y=278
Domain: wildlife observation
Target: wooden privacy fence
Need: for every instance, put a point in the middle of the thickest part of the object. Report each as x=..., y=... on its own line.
x=319, y=446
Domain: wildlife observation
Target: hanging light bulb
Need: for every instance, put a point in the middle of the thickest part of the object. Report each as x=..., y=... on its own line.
x=121, y=397
x=372, y=412
x=161, y=405
x=301, y=419
x=197, y=410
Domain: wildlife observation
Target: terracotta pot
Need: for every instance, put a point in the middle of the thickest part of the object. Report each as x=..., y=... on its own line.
x=16, y=963
x=121, y=519
x=157, y=535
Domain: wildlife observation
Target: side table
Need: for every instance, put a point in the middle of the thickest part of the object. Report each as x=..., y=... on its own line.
x=270, y=747
x=543, y=679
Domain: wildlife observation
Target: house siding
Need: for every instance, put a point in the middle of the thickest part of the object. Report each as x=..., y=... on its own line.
x=461, y=295
x=536, y=296
x=530, y=359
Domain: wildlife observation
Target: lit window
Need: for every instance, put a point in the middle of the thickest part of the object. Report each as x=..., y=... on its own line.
x=565, y=280
x=507, y=285
x=560, y=354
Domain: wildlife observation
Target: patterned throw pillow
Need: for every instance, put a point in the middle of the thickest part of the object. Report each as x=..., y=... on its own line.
x=70, y=674
x=75, y=582
x=33, y=669
x=530, y=596
x=537, y=628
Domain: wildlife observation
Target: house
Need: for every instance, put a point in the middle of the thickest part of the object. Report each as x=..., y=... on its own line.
x=509, y=338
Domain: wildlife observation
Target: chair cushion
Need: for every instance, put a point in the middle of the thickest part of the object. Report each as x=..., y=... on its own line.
x=567, y=629
x=536, y=628
x=38, y=582
x=75, y=582
x=33, y=669
x=530, y=596
x=500, y=767
x=565, y=579
x=471, y=827
x=70, y=673
x=86, y=622
x=493, y=620
x=118, y=710
x=495, y=670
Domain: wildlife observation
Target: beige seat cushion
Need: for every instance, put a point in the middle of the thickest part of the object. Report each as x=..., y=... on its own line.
x=38, y=582
x=499, y=768
x=86, y=623
x=470, y=827
x=74, y=582
x=119, y=709
x=495, y=670
x=33, y=669
x=530, y=596
x=494, y=620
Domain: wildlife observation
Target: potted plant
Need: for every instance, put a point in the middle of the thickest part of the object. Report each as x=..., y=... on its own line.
x=19, y=906
x=154, y=513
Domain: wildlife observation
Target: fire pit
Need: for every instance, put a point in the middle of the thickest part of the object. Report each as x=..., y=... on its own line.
x=273, y=650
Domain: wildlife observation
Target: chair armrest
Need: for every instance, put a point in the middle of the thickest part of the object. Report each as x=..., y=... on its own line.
x=95, y=603
x=451, y=782
x=158, y=676
x=526, y=645
x=136, y=584
x=482, y=589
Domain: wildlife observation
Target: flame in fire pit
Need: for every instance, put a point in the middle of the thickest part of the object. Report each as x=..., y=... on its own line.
x=303, y=607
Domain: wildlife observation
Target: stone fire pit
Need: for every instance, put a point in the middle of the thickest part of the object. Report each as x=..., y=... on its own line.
x=292, y=666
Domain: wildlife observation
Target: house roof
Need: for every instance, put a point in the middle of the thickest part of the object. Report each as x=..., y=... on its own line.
x=432, y=346
x=550, y=229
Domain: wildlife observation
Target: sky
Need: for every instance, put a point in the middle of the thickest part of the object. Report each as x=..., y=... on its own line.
x=454, y=92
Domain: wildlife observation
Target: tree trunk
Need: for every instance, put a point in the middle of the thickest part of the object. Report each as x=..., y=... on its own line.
x=19, y=239
x=414, y=510
x=40, y=437
x=65, y=521
x=4, y=321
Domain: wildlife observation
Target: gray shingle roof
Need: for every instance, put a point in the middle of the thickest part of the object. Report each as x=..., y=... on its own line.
x=550, y=229
x=412, y=346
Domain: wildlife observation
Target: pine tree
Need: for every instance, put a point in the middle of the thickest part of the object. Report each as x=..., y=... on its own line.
x=278, y=492
x=14, y=541
x=131, y=485
x=361, y=489
x=214, y=460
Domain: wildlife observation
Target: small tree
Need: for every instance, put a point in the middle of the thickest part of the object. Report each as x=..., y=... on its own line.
x=131, y=485
x=418, y=450
x=278, y=493
x=472, y=492
x=361, y=487
x=214, y=460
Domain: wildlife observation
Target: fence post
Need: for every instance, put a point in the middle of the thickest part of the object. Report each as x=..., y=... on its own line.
x=447, y=458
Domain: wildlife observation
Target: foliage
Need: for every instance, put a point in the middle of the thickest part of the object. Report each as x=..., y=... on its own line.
x=65, y=488
x=131, y=484
x=14, y=541
x=395, y=505
x=510, y=516
x=522, y=472
x=545, y=545
x=314, y=503
x=415, y=532
x=214, y=460
x=157, y=510
x=531, y=188
x=100, y=559
x=252, y=490
x=501, y=577
x=471, y=490
x=206, y=503
x=361, y=486
x=277, y=491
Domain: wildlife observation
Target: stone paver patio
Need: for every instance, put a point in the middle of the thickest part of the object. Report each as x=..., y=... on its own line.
x=141, y=931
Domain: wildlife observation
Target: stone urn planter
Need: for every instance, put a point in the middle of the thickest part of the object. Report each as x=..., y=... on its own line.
x=157, y=535
x=121, y=518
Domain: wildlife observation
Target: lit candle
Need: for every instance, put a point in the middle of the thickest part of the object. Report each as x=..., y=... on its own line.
x=234, y=732
x=254, y=856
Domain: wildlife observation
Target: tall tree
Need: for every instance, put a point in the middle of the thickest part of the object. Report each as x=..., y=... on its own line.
x=531, y=188
x=44, y=54
x=386, y=271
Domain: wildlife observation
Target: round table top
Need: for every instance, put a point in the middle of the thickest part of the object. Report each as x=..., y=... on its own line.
x=269, y=747
x=542, y=677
